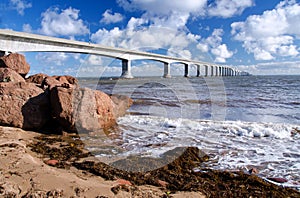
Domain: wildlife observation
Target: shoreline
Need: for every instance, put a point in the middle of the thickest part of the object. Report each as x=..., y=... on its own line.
x=25, y=172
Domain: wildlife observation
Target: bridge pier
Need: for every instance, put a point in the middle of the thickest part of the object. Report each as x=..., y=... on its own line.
x=217, y=71
x=198, y=71
x=167, y=73
x=126, y=69
x=206, y=70
x=212, y=70
x=186, y=70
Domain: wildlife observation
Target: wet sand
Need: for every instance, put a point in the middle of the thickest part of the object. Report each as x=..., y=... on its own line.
x=24, y=173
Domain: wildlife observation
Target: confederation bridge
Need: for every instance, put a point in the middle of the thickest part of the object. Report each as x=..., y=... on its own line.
x=12, y=41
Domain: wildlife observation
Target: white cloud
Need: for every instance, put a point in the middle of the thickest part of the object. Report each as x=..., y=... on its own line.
x=271, y=34
x=214, y=44
x=109, y=17
x=221, y=52
x=138, y=34
x=273, y=68
x=228, y=8
x=62, y=23
x=165, y=6
x=20, y=6
x=27, y=28
x=53, y=58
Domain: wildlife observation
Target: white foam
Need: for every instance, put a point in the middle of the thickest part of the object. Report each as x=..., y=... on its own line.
x=234, y=144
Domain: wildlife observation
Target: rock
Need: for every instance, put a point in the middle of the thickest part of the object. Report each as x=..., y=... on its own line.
x=253, y=171
x=82, y=109
x=277, y=179
x=123, y=182
x=162, y=183
x=9, y=75
x=16, y=62
x=59, y=81
x=37, y=78
x=23, y=105
x=122, y=104
x=51, y=162
x=67, y=79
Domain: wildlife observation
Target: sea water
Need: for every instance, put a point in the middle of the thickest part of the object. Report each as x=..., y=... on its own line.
x=240, y=122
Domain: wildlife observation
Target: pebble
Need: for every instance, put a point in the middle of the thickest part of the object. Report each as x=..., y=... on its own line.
x=277, y=179
x=51, y=162
x=124, y=182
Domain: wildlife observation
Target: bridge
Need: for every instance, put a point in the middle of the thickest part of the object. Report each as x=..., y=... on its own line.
x=12, y=41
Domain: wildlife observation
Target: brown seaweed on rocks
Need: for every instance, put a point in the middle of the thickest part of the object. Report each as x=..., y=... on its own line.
x=177, y=175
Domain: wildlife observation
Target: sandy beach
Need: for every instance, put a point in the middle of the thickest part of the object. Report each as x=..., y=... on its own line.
x=24, y=174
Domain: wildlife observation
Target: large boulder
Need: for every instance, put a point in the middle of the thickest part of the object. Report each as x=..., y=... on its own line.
x=23, y=105
x=16, y=62
x=36, y=78
x=67, y=79
x=122, y=103
x=59, y=81
x=82, y=109
x=9, y=75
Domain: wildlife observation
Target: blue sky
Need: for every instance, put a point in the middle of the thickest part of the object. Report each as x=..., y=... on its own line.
x=258, y=36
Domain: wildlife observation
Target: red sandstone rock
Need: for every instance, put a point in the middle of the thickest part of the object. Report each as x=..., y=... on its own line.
x=82, y=109
x=122, y=103
x=16, y=62
x=51, y=162
x=123, y=182
x=162, y=183
x=9, y=75
x=67, y=79
x=37, y=78
x=23, y=105
x=59, y=81
x=253, y=171
x=278, y=179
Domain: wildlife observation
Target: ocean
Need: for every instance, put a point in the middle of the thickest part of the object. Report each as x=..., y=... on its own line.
x=241, y=122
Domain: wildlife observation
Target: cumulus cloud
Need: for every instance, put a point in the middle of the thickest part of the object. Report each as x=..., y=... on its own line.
x=27, y=28
x=273, y=68
x=109, y=17
x=140, y=35
x=20, y=5
x=66, y=22
x=53, y=58
x=228, y=8
x=165, y=6
x=214, y=45
x=271, y=34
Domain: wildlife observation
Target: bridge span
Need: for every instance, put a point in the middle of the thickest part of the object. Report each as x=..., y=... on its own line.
x=12, y=41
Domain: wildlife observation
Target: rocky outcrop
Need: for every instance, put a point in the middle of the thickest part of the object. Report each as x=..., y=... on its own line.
x=36, y=78
x=55, y=102
x=82, y=109
x=9, y=75
x=59, y=81
x=122, y=103
x=16, y=62
x=23, y=105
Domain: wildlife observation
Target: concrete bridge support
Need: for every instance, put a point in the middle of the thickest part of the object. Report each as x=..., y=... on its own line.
x=198, y=70
x=186, y=70
x=217, y=71
x=126, y=69
x=206, y=70
x=167, y=73
x=220, y=71
x=212, y=70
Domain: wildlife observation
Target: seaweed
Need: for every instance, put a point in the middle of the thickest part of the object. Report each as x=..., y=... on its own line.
x=178, y=175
